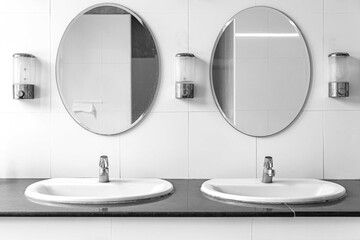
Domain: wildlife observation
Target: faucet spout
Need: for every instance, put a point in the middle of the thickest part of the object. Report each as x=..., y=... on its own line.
x=268, y=172
x=104, y=169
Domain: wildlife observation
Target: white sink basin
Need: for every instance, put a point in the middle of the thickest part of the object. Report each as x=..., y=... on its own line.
x=90, y=191
x=295, y=191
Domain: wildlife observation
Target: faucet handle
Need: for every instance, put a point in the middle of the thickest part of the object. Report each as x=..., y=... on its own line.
x=104, y=162
x=268, y=162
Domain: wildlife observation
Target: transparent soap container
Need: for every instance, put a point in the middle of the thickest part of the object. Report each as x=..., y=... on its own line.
x=184, y=75
x=24, y=75
x=338, y=75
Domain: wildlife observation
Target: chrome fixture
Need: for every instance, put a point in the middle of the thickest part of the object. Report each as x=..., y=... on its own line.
x=184, y=75
x=104, y=169
x=268, y=172
x=184, y=90
x=338, y=75
x=24, y=75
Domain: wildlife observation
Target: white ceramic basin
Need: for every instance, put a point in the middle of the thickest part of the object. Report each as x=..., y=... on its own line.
x=90, y=191
x=295, y=191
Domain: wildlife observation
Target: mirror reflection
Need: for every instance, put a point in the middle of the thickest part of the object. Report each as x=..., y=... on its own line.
x=260, y=71
x=107, y=69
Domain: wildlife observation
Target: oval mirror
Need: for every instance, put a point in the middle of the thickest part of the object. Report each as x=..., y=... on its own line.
x=260, y=71
x=107, y=69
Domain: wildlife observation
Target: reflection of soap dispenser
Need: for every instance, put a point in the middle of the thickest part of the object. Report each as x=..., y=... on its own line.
x=184, y=75
x=24, y=74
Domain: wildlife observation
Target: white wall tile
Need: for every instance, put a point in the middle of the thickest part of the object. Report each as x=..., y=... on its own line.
x=294, y=6
x=75, y=152
x=25, y=145
x=341, y=144
x=28, y=33
x=341, y=34
x=305, y=228
x=181, y=228
x=297, y=151
x=158, y=147
x=155, y=6
x=55, y=228
x=217, y=150
x=214, y=6
x=185, y=228
x=343, y=6
x=25, y=6
x=61, y=6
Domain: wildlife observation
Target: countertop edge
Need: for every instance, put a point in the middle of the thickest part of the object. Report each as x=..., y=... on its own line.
x=186, y=201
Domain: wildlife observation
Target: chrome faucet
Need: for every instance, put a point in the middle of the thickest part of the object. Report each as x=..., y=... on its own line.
x=104, y=169
x=268, y=172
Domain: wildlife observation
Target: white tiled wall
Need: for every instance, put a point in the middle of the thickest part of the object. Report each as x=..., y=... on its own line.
x=185, y=228
x=56, y=228
x=179, y=228
x=305, y=228
x=178, y=139
x=125, y=228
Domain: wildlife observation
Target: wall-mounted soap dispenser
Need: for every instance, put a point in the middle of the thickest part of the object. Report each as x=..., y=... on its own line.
x=184, y=75
x=24, y=75
x=338, y=75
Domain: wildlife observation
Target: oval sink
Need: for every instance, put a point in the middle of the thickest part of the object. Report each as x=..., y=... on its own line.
x=294, y=191
x=90, y=191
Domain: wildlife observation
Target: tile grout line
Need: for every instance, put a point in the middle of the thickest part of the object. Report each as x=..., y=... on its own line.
x=252, y=228
x=323, y=145
x=188, y=102
x=50, y=55
x=188, y=24
x=187, y=195
x=188, y=145
x=111, y=228
x=50, y=84
x=323, y=112
x=256, y=153
x=120, y=168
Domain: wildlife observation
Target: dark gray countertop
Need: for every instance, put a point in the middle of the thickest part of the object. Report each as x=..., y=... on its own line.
x=186, y=201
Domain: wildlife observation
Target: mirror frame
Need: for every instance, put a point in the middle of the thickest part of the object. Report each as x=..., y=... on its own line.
x=57, y=77
x=212, y=62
